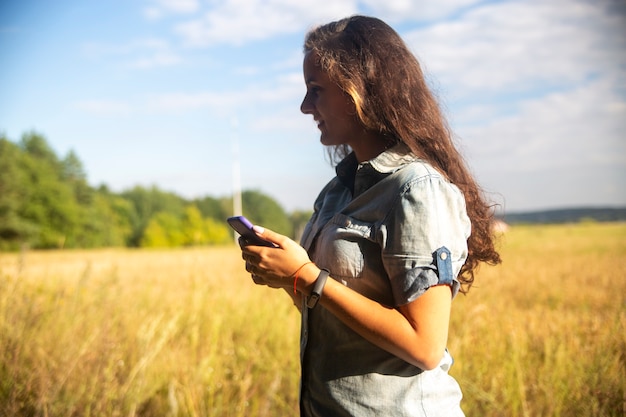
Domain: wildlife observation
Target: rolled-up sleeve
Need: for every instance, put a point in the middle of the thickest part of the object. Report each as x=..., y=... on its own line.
x=428, y=214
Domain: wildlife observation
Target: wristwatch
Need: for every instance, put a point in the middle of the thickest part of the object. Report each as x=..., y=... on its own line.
x=318, y=287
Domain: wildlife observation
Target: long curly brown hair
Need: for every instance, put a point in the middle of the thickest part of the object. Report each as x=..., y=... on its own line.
x=373, y=65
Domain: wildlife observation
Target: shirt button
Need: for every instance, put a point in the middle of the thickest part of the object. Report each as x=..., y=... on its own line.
x=443, y=256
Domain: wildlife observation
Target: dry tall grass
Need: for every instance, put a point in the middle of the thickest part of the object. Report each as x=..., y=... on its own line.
x=544, y=334
x=184, y=332
x=122, y=333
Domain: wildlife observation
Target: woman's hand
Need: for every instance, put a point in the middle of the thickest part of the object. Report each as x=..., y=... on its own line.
x=274, y=267
x=416, y=332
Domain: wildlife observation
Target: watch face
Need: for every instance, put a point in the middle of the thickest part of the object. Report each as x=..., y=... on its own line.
x=318, y=287
x=312, y=300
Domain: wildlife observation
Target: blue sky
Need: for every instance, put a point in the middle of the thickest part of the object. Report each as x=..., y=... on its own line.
x=161, y=92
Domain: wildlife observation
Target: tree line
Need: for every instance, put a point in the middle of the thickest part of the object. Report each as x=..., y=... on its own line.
x=46, y=202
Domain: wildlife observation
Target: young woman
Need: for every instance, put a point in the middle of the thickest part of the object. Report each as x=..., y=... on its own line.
x=393, y=237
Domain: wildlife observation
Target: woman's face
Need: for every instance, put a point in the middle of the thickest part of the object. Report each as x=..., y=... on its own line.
x=331, y=107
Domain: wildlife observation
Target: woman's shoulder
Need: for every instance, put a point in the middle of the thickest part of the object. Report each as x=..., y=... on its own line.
x=417, y=172
x=400, y=160
x=420, y=181
x=419, y=168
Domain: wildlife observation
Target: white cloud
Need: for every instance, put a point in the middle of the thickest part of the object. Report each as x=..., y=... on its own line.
x=156, y=59
x=152, y=13
x=564, y=149
x=288, y=119
x=225, y=102
x=105, y=108
x=419, y=10
x=538, y=93
x=537, y=87
x=102, y=49
x=180, y=6
x=221, y=22
x=161, y=8
x=519, y=44
x=560, y=130
x=238, y=21
x=247, y=71
x=143, y=53
x=191, y=101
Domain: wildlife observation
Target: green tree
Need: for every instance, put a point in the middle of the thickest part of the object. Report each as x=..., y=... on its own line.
x=101, y=225
x=163, y=230
x=193, y=227
x=119, y=216
x=15, y=231
x=201, y=231
x=55, y=206
x=218, y=232
x=47, y=201
x=37, y=146
x=213, y=208
x=146, y=203
x=73, y=173
x=96, y=219
x=265, y=211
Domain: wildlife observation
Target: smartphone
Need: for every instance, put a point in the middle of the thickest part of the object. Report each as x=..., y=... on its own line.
x=244, y=228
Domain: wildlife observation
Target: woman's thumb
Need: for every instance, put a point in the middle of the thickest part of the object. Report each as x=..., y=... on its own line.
x=259, y=230
x=267, y=234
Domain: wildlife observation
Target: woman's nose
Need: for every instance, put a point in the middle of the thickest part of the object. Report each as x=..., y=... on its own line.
x=306, y=107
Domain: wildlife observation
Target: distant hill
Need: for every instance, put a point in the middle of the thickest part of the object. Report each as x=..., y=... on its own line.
x=568, y=215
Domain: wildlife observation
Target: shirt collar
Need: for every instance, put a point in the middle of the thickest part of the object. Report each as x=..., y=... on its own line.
x=385, y=163
x=392, y=159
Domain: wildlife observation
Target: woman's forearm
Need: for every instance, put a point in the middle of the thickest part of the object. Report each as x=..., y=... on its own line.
x=416, y=332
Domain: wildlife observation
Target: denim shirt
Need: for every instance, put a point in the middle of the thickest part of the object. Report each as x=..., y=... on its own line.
x=377, y=227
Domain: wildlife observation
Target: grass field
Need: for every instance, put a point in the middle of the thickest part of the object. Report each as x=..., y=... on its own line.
x=185, y=332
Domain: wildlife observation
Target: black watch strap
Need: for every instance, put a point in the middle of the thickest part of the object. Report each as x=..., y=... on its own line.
x=318, y=287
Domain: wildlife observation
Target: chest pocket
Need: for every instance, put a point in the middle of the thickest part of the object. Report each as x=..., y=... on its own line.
x=342, y=246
